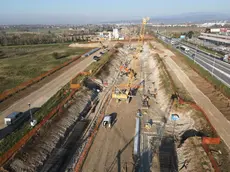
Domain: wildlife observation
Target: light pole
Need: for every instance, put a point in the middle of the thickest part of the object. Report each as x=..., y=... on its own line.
x=31, y=117
x=194, y=60
x=213, y=64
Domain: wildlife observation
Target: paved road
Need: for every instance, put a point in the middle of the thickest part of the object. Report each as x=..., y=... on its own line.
x=40, y=96
x=220, y=123
x=218, y=68
x=214, y=67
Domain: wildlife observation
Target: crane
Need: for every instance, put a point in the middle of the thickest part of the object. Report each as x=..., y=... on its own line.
x=125, y=92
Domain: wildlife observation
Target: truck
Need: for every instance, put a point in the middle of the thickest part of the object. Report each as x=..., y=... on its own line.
x=227, y=58
x=13, y=118
x=184, y=48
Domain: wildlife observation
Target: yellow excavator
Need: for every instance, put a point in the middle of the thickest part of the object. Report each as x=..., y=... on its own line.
x=125, y=92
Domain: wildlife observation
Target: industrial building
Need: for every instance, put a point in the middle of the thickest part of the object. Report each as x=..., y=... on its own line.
x=215, y=38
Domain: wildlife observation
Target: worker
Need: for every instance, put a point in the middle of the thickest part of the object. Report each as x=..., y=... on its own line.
x=145, y=101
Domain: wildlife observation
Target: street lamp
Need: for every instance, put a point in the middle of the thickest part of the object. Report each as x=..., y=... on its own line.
x=194, y=60
x=31, y=117
x=213, y=64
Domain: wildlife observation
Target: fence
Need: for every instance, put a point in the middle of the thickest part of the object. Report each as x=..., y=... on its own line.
x=6, y=94
x=90, y=140
x=196, y=107
x=32, y=132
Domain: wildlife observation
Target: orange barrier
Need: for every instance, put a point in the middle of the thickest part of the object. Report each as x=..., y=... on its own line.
x=211, y=141
x=195, y=106
x=6, y=156
x=206, y=140
x=4, y=95
x=211, y=158
x=26, y=84
x=89, y=143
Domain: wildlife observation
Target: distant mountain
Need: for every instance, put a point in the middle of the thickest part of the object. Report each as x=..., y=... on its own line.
x=191, y=17
x=195, y=17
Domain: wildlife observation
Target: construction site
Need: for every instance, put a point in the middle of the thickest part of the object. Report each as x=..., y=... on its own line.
x=139, y=110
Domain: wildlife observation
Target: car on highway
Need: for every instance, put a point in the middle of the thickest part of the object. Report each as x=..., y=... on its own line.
x=96, y=58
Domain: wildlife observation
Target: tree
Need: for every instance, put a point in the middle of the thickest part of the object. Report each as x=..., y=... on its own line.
x=190, y=34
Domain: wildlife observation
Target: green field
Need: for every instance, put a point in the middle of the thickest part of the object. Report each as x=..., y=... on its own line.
x=21, y=63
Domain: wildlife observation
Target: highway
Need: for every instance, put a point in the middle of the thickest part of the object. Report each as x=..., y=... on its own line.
x=215, y=66
x=42, y=95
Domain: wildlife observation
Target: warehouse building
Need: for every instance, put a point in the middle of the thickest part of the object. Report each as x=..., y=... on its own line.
x=215, y=38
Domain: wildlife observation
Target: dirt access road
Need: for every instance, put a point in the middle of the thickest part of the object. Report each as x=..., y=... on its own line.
x=40, y=96
x=112, y=148
x=220, y=123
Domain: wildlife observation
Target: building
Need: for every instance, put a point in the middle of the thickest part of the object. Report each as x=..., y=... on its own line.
x=116, y=33
x=215, y=38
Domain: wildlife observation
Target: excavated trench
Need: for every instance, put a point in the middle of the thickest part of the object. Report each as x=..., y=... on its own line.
x=163, y=149
x=58, y=141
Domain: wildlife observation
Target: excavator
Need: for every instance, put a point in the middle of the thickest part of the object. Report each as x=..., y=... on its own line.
x=126, y=92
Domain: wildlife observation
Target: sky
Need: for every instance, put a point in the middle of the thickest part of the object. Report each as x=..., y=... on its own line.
x=93, y=11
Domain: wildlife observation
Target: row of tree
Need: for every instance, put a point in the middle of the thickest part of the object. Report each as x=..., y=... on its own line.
x=30, y=39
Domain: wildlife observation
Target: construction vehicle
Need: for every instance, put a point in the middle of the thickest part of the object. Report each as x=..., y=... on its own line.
x=107, y=121
x=126, y=93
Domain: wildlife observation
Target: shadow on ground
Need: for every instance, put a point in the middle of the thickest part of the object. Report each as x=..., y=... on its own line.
x=168, y=155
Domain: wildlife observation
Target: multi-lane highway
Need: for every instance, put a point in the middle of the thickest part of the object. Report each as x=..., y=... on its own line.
x=217, y=67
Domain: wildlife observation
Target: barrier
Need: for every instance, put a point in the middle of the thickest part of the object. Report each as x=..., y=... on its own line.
x=211, y=158
x=90, y=140
x=6, y=94
x=6, y=156
x=196, y=107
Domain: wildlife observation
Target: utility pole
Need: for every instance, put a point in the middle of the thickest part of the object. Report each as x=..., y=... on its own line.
x=194, y=60
x=213, y=64
x=31, y=117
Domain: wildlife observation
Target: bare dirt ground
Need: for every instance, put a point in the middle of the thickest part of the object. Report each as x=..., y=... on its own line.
x=85, y=45
x=195, y=120
x=104, y=154
x=40, y=147
x=41, y=95
x=54, y=147
x=166, y=155
x=112, y=148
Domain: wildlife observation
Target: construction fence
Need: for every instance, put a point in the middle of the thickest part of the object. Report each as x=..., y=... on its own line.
x=91, y=138
x=31, y=133
x=26, y=84
x=215, y=139
x=58, y=109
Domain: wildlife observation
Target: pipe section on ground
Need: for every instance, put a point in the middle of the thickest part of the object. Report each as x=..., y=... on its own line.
x=137, y=138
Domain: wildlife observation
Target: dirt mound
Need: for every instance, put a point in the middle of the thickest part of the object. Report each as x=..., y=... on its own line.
x=85, y=45
x=40, y=147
